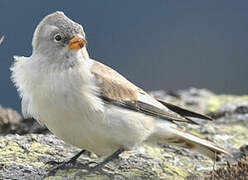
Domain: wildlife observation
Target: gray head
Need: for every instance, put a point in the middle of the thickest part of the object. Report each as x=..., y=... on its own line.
x=57, y=35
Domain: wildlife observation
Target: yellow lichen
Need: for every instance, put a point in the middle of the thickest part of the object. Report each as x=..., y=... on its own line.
x=171, y=172
x=238, y=132
x=215, y=102
x=37, y=147
x=13, y=152
x=154, y=151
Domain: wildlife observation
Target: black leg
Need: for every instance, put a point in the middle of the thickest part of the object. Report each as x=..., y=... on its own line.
x=63, y=164
x=98, y=167
x=74, y=158
x=113, y=156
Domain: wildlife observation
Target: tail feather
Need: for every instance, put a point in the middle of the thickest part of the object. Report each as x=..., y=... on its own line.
x=200, y=145
x=166, y=133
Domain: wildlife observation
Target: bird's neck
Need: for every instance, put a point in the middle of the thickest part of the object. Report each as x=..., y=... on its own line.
x=85, y=53
x=64, y=61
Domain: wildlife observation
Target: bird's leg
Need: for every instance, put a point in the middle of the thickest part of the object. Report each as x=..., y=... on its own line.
x=62, y=165
x=98, y=167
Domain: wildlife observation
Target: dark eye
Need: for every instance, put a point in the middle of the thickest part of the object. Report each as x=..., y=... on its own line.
x=57, y=37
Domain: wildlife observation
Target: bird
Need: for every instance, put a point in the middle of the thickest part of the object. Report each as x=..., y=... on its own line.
x=89, y=104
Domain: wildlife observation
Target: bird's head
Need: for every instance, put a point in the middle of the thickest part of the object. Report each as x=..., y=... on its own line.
x=58, y=37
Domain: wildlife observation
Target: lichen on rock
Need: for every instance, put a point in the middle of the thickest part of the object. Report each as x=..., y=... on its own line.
x=24, y=156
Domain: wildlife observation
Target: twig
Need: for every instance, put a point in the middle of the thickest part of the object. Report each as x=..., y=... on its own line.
x=214, y=167
x=1, y=40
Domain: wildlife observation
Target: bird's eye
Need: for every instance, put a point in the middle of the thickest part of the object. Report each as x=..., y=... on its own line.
x=57, y=37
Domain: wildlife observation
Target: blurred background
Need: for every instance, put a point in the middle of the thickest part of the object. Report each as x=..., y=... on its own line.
x=160, y=44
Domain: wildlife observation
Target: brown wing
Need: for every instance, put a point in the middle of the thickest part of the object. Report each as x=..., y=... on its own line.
x=117, y=90
x=113, y=85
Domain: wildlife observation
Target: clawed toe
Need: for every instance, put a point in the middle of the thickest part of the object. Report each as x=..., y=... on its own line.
x=66, y=164
x=87, y=166
x=61, y=165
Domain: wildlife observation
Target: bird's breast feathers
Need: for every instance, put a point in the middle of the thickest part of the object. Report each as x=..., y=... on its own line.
x=44, y=87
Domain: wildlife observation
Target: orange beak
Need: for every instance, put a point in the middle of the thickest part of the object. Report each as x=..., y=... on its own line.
x=77, y=43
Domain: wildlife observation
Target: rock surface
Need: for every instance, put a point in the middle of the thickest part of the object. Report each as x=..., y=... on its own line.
x=24, y=156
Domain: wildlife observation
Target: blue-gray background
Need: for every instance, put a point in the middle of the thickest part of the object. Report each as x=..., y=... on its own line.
x=158, y=44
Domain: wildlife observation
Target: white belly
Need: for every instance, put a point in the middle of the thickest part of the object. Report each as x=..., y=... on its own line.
x=98, y=132
x=102, y=131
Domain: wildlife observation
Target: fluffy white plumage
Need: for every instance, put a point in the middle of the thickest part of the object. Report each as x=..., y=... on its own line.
x=59, y=88
x=66, y=102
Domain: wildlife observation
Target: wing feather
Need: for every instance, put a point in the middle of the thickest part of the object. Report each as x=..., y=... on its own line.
x=117, y=90
x=183, y=111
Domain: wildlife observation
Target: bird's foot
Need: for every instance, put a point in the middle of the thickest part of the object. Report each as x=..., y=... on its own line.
x=90, y=170
x=99, y=167
x=68, y=165
x=63, y=165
